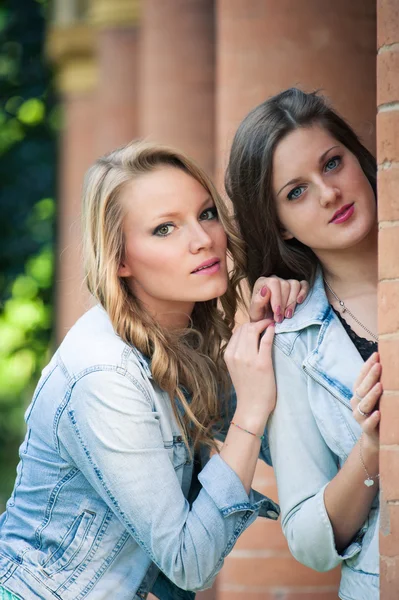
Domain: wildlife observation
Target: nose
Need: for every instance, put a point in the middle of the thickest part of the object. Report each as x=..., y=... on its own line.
x=329, y=194
x=199, y=238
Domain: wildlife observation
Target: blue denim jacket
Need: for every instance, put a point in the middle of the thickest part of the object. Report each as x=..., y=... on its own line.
x=311, y=433
x=99, y=508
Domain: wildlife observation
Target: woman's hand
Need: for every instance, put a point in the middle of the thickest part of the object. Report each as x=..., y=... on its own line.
x=276, y=298
x=249, y=361
x=367, y=392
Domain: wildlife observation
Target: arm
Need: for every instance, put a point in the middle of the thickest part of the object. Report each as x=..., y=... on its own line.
x=304, y=467
x=348, y=500
x=112, y=434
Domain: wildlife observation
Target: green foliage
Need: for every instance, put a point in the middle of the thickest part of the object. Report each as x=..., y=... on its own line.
x=29, y=121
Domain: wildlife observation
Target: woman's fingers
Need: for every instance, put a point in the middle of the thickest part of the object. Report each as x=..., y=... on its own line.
x=280, y=290
x=371, y=423
x=294, y=294
x=244, y=343
x=266, y=342
x=304, y=291
x=276, y=297
x=369, y=403
x=260, y=303
x=368, y=365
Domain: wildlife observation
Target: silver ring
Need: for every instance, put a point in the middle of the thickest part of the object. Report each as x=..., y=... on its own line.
x=358, y=397
x=364, y=414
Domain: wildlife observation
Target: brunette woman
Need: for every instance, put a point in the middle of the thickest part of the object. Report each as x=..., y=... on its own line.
x=304, y=192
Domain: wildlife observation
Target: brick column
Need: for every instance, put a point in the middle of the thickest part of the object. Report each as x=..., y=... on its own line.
x=71, y=47
x=177, y=76
x=265, y=46
x=388, y=182
x=117, y=54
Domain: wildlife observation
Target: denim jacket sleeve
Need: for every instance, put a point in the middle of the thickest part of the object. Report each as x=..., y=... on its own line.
x=111, y=432
x=303, y=465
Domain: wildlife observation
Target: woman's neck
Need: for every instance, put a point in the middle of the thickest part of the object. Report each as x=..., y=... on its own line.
x=353, y=270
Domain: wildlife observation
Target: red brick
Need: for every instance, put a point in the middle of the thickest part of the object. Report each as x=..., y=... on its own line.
x=388, y=303
x=117, y=95
x=388, y=197
x=388, y=252
x=177, y=93
x=389, y=470
x=387, y=77
x=211, y=594
x=280, y=571
x=389, y=353
x=388, y=136
x=387, y=22
x=77, y=154
x=389, y=427
x=389, y=578
x=261, y=51
x=278, y=594
x=389, y=529
x=262, y=534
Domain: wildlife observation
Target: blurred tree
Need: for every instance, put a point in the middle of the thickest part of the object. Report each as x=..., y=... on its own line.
x=29, y=122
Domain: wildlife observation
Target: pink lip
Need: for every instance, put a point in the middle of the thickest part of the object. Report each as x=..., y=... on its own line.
x=343, y=214
x=208, y=267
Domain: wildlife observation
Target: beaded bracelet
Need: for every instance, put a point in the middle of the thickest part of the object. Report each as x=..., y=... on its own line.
x=370, y=480
x=261, y=437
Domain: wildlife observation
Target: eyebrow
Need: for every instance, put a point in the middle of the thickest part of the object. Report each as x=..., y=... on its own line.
x=298, y=179
x=169, y=215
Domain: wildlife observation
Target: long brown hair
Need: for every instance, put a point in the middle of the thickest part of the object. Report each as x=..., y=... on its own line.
x=249, y=179
x=190, y=360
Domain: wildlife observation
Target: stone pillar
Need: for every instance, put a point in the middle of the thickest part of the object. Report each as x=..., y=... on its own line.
x=177, y=76
x=71, y=48
x=117, y=54
x=266, y=46
x=388, y=212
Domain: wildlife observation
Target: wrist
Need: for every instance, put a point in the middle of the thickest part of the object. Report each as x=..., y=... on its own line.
x=369, y=458
x=254, y=423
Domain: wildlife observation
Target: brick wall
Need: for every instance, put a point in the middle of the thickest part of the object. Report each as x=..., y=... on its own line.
x=388, y=183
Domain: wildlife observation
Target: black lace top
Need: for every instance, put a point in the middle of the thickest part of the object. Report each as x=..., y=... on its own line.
x=364, y=346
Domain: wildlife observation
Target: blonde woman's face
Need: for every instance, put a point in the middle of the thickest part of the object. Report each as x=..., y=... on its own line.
x=175, y=245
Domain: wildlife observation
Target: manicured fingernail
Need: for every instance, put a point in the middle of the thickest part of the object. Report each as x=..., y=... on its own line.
x=300, y=299
x=263, y=291
x=279, y=318
x=288, y=313
x=278, y=310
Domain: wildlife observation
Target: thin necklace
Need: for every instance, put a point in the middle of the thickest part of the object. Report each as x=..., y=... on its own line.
x=346, y=309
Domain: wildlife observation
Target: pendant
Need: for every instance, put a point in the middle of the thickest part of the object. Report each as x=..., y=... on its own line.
x=369, y=482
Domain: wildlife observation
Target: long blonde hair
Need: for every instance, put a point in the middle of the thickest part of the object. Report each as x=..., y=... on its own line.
x=190, y=360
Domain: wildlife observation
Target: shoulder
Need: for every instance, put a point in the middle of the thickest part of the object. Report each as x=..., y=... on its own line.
x=93, y=345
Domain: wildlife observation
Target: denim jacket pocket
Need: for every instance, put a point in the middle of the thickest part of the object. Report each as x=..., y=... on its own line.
x=69, y=553
x=178, y=452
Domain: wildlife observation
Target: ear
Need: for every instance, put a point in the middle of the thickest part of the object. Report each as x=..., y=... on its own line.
x=286, y=235
x=124, y=270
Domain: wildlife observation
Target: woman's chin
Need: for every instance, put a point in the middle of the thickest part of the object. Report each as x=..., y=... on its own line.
x=213, y=292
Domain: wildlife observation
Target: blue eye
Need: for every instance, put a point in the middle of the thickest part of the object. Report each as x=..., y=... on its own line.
x=296, y=192
x=209, y=214
x=163, y=230
x=333, y=163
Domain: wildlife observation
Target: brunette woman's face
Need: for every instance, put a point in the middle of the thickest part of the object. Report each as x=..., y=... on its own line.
x=175, y=245
x=323, y=197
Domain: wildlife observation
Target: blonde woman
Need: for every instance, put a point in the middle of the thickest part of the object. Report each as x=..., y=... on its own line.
x=115, y=494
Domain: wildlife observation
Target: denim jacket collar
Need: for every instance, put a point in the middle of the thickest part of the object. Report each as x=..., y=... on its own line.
x=328, y=362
